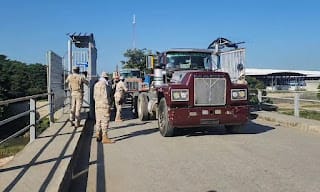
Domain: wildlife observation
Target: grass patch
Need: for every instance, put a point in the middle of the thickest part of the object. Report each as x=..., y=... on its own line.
x=312, y=106
x=13, y=146
x=304, y=114
x=43, y=125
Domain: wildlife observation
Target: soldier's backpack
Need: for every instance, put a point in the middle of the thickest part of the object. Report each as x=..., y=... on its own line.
x=75, y=83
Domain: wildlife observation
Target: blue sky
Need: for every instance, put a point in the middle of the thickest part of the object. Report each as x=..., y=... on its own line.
x=279, y=34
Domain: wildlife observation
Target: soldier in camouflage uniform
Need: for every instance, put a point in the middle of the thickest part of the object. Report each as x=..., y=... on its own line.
x=119, y=97
x=76, y=81
x=242, y=79
x=101, y=96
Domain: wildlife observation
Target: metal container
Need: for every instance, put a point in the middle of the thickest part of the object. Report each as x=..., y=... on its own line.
x=158, y=77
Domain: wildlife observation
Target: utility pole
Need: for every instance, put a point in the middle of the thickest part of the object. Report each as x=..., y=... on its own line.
x=134, y=31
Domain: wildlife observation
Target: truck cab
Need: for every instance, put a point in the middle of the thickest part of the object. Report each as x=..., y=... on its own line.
x=186, y=92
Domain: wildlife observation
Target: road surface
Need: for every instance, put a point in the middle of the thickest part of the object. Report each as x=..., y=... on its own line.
x=263, y=157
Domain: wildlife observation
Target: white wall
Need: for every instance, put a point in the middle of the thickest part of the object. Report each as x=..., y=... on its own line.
x=311, y=85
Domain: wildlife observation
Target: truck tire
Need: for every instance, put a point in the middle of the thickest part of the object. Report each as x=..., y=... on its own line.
x=135, y=106
x=143, y=107
x=234, y=128
x=165, y=128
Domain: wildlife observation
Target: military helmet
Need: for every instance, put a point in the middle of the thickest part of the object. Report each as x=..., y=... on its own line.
x=104, y=74
x=75, y=68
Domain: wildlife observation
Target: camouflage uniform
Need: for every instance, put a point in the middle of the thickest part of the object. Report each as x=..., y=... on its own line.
x=242, y=79
x=118, y=97
x=101, y=96
x=76, y=82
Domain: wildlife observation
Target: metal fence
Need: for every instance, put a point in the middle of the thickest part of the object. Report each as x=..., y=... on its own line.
x=289, y=101
x=31, y=112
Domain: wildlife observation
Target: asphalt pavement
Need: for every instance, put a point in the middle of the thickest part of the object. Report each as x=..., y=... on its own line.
x=265, y=156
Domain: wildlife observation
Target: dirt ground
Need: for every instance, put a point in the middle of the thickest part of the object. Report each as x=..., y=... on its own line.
x=289, y=104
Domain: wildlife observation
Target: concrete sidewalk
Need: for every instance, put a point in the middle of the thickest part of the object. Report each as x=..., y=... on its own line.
x=289, y=121
x=46, y=163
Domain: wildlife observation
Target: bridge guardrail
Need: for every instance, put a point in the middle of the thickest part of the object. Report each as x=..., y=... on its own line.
x=297, y=103
x=32, y=113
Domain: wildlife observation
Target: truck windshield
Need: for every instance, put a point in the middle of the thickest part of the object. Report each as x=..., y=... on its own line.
x=188, y=60
x=127, y=74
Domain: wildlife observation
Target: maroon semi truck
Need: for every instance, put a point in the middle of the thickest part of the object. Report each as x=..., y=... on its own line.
x=186, y=92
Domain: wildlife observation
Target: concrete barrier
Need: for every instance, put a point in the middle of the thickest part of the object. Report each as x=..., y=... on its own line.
x=289, y=121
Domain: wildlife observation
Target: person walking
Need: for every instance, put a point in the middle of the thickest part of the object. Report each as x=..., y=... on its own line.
x=119, y=97
x=75, y=83
x=102, y=100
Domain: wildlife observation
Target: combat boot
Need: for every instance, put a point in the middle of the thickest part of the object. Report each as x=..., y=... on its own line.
x=106, y=140
x=118, y=119
x=77, y=124
x=99, y=136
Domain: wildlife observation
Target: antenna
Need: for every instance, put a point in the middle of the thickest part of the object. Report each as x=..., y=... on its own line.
x=134, y=31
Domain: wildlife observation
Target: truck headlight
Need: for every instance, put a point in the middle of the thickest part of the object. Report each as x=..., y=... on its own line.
x=180, y=95
x=238, y=94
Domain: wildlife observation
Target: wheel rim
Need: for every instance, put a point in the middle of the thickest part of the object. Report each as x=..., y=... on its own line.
x=161, y=121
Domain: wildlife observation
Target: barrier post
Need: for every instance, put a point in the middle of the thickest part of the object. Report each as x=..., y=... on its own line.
x=296, y=104
x=32, y=120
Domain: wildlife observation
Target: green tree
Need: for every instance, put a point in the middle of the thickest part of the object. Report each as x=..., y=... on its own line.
x=18, y=79
x=254, y=84
x=37, y=79
x=3, y=78
x=135, y=58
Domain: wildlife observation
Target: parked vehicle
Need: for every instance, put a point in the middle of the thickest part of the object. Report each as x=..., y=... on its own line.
x=184, y=91
x=133, y=81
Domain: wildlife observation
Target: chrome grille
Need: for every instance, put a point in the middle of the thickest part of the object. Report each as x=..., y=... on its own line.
x=132, y=86
x=209, y=91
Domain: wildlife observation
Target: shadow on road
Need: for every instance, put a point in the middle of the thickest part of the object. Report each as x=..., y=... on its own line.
x=23, y=169
x=135, y=134
x=128, y=125
x=126, y=113
x=80, y=171
x=251, y=128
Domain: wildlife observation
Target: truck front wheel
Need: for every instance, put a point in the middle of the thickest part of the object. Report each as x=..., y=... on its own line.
x=143, y=107
x=165, y=128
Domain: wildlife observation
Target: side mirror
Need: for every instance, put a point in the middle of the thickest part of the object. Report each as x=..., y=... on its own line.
x=240, y=67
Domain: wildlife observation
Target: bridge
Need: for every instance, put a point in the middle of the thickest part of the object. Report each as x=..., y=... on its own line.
x=274, y=152
x=266, y=156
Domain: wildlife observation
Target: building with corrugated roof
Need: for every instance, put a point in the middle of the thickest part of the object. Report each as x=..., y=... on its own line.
x=276, y=79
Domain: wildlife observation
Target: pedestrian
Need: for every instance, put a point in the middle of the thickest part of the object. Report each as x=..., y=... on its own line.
x=242, y=79
x=102, y=100
x=119, y=97
x=75, y=83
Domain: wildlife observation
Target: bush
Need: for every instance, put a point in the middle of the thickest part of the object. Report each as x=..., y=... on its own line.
x=43, y=125
x=254, y=85
x=15, y=145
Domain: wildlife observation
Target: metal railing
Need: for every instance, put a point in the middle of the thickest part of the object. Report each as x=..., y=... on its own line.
x=32, y=113
x=290, y=100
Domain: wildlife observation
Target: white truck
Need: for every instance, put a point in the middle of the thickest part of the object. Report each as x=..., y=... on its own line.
x=228, y=57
